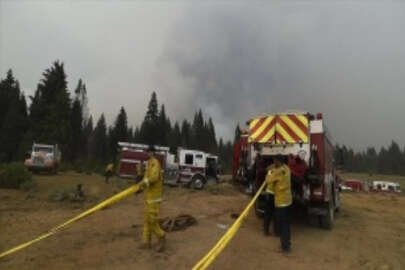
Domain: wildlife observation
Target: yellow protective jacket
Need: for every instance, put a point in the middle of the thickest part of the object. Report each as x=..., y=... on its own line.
x=153, y=181
x=109, y=168
x=279, y=181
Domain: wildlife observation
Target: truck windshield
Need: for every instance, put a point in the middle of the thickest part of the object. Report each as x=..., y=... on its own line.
x=43, y=149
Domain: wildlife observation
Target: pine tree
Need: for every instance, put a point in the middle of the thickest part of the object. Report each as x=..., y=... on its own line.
x=130, y=135
x=13, y=118
x=402, y=172
x=121, y=126
x=371, y=160
x=394, y=158
x=77, y=140
x=186, y=136
x=175, y=138
x=164, y=129
x=213, y=147
x=99, y=142
x=137, y=135
x=87, y=133
x=383, y=163
x=50, y=109
x=150, y=132
x=118, y=133
x=198, y=131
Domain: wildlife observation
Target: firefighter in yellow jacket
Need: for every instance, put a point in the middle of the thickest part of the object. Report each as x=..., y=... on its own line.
x=279, y=181
x=152, y=185
x=109, y=171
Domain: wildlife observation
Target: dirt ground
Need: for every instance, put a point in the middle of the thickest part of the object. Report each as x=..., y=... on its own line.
x=369, y=231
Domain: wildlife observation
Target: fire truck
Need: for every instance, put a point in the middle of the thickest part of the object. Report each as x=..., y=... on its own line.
x=305, y=143
x=131, y=154
x=196, y=167
x=191, y=167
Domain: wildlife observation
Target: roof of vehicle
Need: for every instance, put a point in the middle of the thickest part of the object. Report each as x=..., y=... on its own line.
x=43, y=145
x=386, y=183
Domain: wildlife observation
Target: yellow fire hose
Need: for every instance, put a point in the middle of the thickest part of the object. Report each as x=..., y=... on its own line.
x=202, y=264
x=227, y=237
x=110, y=201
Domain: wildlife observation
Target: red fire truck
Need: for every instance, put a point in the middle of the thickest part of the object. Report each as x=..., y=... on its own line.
x=131, y=154
x=303, y=140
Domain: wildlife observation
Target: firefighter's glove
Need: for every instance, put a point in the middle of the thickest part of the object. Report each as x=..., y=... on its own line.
x=144, y=183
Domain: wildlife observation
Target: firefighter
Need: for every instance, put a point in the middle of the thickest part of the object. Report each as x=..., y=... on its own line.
x=279, y=180
x=152, y=185
x=109, y=171
x=299, y=169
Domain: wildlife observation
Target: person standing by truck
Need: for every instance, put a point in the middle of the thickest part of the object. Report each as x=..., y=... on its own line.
x=152, y=185
x=109, y=171
x=279, y=180
x=269, y=210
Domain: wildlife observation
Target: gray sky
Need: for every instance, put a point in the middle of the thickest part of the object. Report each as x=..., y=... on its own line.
x=232, y=59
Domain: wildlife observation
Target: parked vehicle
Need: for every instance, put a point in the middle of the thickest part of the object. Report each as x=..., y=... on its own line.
x=303, y=140
x=131, y=154
x=43, y=157
x=343, y=187
x=355, y=185
x=386, y=186
x=196, y=167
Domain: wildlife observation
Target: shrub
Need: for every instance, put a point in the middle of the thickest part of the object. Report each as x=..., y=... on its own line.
x=29, y=185
x=15, y=175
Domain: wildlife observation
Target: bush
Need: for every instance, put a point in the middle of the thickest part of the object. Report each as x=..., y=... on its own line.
x=15, y=175
x=29, y=185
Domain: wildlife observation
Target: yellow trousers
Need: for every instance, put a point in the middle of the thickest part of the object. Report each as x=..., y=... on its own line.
x=151, y=222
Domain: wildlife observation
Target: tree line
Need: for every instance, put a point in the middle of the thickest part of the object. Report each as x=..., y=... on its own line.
x=388, y=160
x=57, y=116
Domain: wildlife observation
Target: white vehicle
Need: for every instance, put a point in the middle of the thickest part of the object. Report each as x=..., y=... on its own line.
x=196, y=167
x=345, y=188
x=43, y=157
x=386, y=186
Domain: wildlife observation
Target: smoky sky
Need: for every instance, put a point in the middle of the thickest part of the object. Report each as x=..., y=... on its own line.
x=233, y=59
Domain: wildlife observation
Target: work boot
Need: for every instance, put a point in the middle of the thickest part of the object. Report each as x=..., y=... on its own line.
x=144, y=246
x=161, y=244
x=284, y=251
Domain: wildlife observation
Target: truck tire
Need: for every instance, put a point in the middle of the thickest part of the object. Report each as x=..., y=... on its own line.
x=328, y=219
x=198, y=182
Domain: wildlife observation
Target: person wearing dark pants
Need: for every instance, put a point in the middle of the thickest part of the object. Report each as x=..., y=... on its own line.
x=283, y=226
x=269, y=213
x=278, y=179
x=109, y=171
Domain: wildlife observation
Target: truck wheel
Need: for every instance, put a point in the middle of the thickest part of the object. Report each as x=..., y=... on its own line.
x=198, y=182
x=329, y=218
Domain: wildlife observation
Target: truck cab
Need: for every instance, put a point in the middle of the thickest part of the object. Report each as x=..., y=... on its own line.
x=43, y=157
x=196, y=167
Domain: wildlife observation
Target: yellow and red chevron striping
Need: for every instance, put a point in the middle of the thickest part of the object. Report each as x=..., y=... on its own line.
x=288, y=128
x=292, y=128
x=262, y=130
